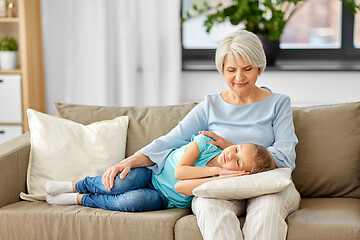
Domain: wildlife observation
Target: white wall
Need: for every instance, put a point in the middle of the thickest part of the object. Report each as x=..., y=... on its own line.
x=305, y=88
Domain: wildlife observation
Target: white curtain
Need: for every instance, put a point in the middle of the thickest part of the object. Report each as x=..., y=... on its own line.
x=113, y=52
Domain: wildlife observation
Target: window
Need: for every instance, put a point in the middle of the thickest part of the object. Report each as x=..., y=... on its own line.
x=321, y=29
x=316, y=25
x=357, y=31
x=194, y=35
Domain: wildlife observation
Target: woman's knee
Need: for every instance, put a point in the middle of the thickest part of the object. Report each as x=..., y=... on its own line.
x=203, y=204
x=283, y=202
x=212, y=205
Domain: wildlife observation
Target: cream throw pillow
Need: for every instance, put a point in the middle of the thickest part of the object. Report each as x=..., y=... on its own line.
x=247, y=186
x=67, y=151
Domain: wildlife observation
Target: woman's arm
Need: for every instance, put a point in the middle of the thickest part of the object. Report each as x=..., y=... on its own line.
x=185, y=168
x=194, y=121
x=283, y=148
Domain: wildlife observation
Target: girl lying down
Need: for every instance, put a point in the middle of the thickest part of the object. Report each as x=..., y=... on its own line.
x=185, y=168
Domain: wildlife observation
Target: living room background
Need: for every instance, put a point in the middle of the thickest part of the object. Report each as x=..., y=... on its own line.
x=129, y=53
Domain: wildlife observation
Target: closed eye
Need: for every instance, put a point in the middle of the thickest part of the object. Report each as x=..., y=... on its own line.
x=248, y=67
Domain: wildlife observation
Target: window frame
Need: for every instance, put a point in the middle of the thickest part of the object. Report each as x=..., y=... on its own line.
x=347, y=50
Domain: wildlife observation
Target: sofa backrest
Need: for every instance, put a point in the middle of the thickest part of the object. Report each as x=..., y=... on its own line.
x=328, y=153
x=146, y=123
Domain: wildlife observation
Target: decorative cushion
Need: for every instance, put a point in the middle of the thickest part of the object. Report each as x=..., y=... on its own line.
x=247, y=186
x=145, y=123
x=67, y=151
x=328, y=152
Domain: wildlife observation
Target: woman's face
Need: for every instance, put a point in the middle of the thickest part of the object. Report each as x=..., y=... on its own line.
x=237, y=157
x=239, y=75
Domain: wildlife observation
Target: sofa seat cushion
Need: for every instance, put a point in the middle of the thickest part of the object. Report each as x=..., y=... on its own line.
x=325, y=218
x=38, y=220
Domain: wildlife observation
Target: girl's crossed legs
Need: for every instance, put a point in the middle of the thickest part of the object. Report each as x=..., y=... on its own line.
x=133, y=194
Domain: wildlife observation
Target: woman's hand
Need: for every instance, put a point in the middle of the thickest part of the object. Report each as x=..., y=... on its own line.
x=134, y=161
x=218, y=140
x=110, y=174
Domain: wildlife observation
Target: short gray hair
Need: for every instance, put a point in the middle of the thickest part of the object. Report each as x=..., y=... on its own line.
x=243, y=43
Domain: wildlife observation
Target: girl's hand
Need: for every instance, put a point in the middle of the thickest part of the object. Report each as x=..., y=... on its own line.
x=234, y=174
x=226, y=172
x=223, y=172
x=218, y=140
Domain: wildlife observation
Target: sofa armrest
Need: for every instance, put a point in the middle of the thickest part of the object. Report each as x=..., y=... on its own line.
x=14, y=159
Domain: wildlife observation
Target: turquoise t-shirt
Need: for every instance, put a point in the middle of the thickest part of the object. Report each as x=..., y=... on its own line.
x=165, y=181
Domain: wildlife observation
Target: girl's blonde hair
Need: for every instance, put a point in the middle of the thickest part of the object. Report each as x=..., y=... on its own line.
x=241, y=43
x=263, y=160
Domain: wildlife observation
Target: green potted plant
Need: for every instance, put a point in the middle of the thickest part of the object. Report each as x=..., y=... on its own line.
x=8, y=49
x=266, y=18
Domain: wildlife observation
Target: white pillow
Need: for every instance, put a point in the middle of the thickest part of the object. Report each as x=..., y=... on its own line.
x=247, y=186
x=64, y=150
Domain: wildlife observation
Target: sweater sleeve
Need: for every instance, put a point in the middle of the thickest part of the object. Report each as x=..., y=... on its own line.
x=196, y=120
x=283, y=148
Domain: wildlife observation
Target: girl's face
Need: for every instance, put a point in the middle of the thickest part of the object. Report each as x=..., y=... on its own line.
x=239, y=75
x=237, y=157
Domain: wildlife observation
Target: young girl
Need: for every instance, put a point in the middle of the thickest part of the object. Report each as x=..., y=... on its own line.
x=184, y=169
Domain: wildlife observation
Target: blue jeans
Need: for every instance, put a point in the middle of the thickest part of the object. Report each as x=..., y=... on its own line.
x=134, y=193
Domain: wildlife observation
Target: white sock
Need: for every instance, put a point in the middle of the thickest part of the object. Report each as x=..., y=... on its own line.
x=57, y=187
x=62, y=199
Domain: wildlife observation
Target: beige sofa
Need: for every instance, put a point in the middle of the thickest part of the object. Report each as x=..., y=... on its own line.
x=327, y=175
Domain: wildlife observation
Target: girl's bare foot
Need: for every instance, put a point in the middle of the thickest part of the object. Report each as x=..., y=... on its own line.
x=79, y=196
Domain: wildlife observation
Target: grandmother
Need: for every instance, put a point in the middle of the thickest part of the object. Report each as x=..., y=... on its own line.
x=242, y=113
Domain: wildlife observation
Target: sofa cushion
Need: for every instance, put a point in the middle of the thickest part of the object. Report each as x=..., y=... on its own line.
x=247, y=186
x=145, y=123
x=325, y=219
x=64, y=150
x=328, y=152
x=38, y=220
